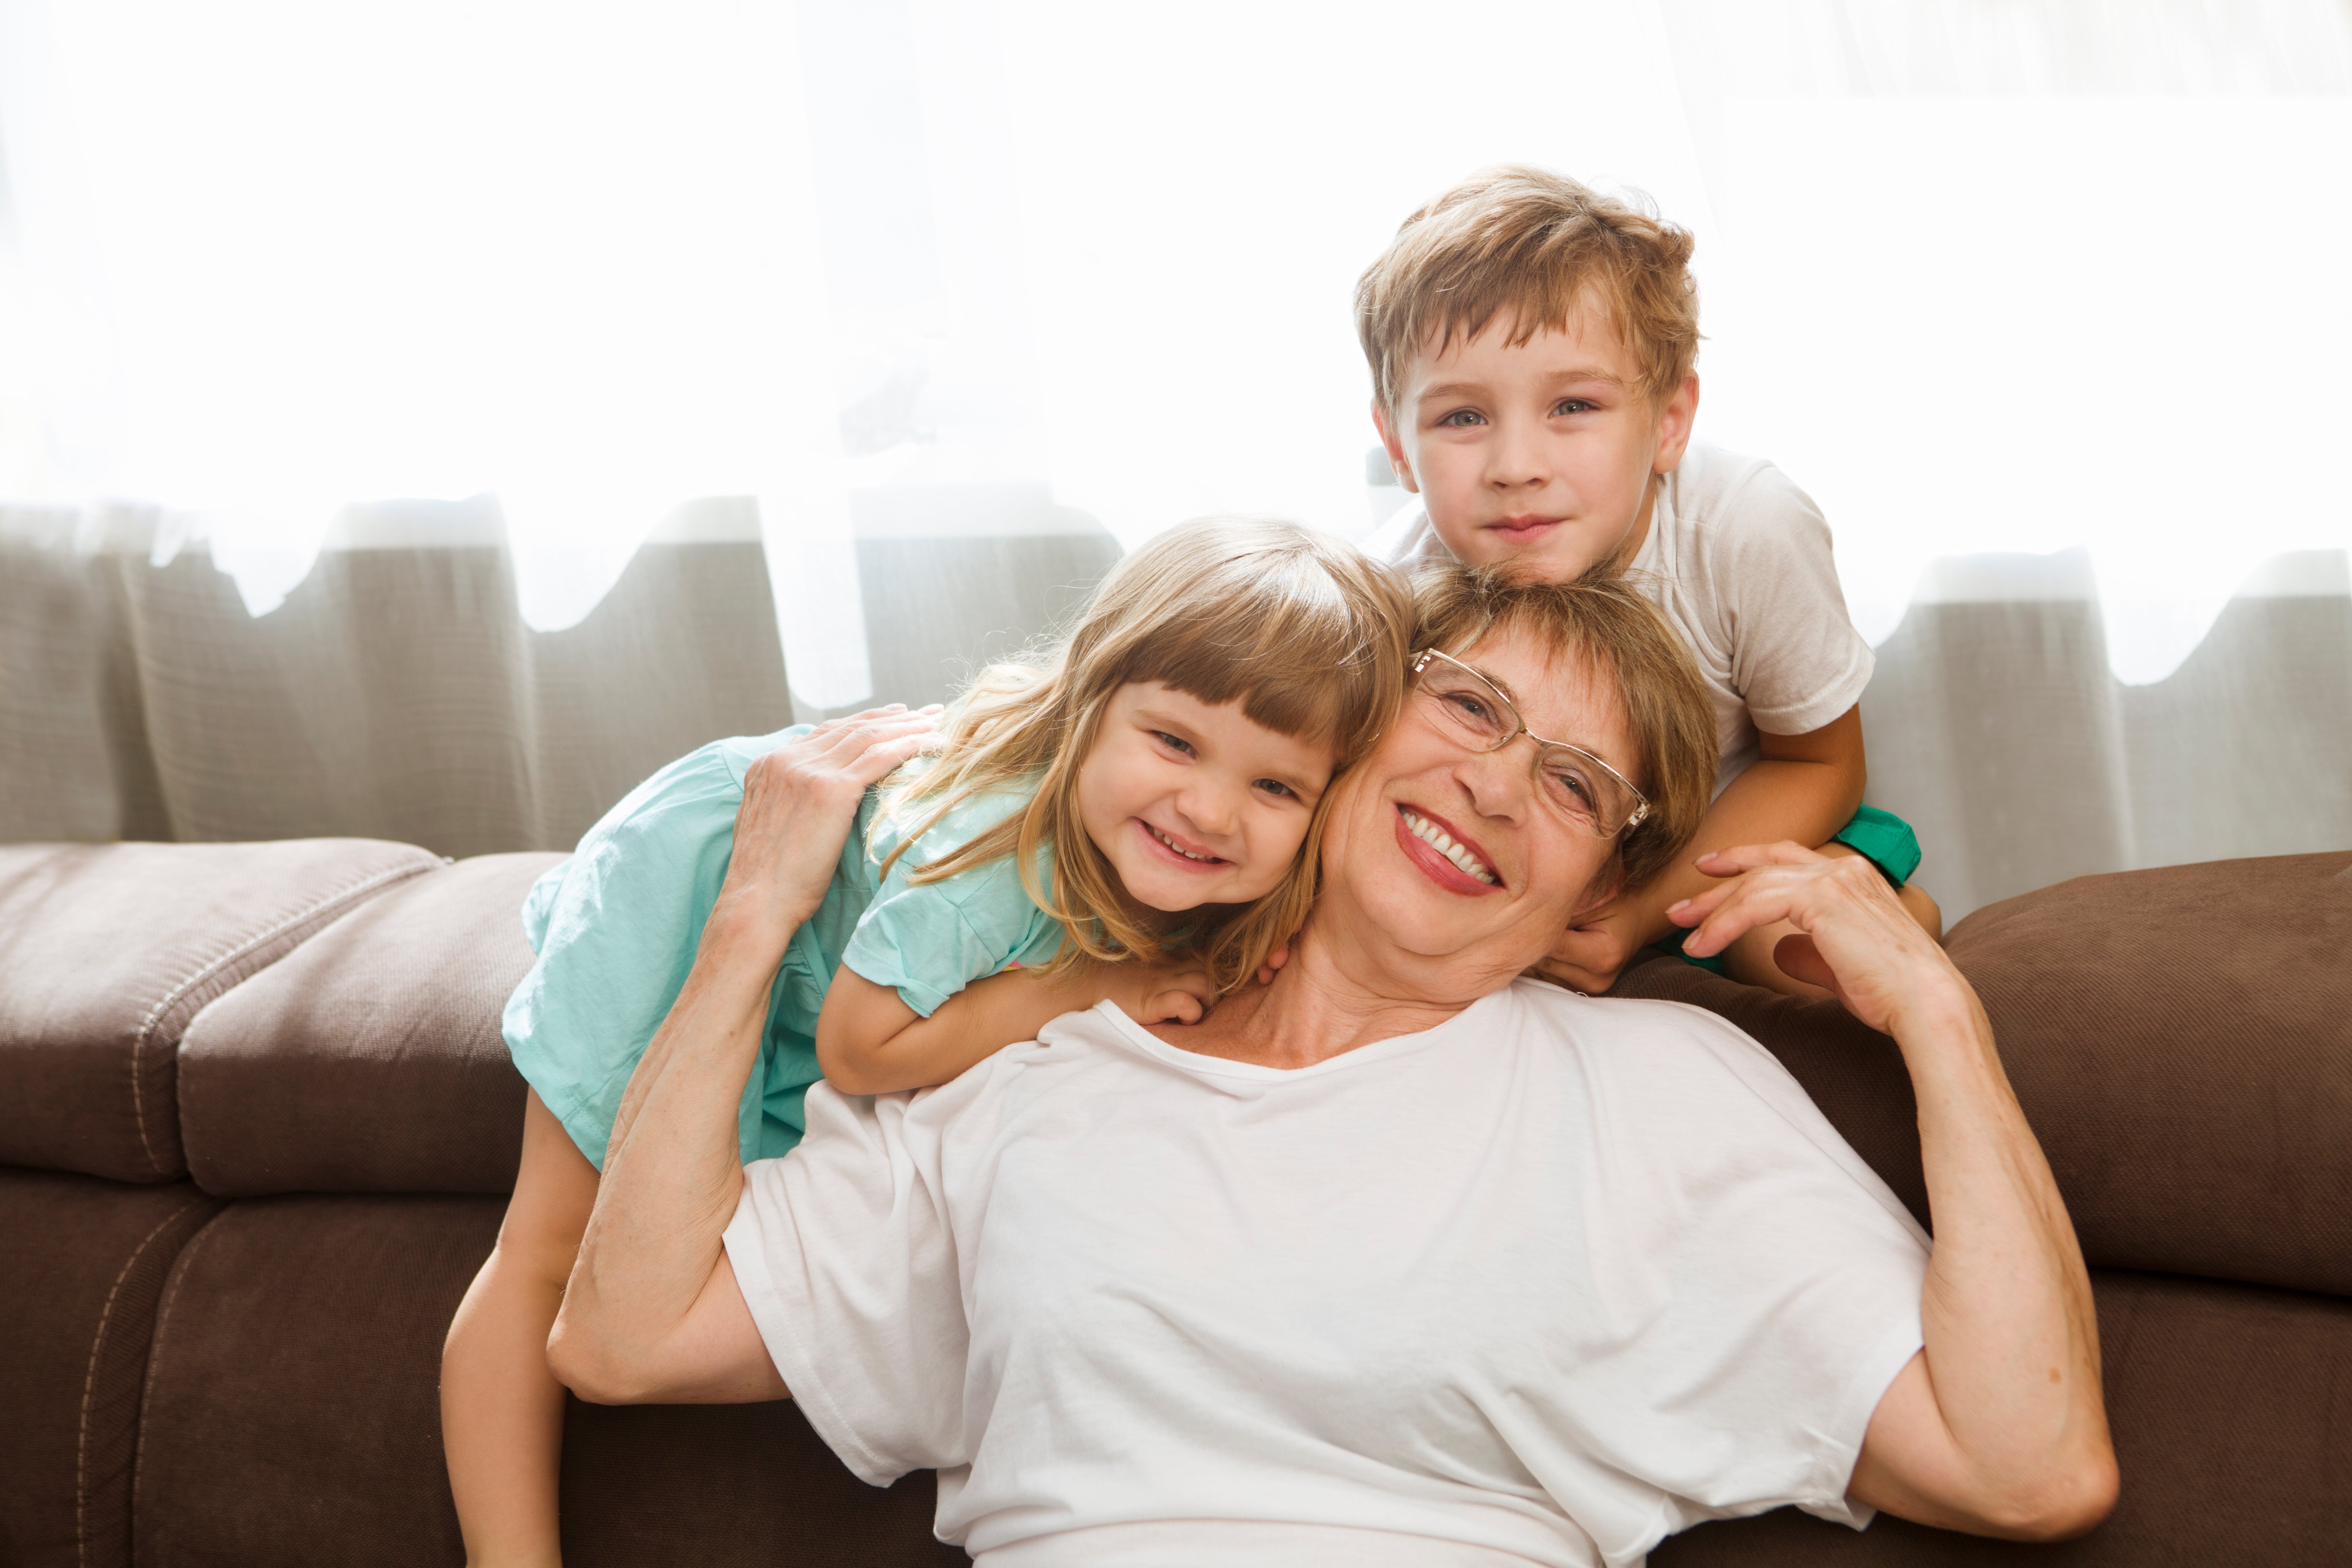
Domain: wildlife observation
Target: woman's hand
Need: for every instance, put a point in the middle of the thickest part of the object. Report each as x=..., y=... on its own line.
x=799, y=802
x=1857, y=941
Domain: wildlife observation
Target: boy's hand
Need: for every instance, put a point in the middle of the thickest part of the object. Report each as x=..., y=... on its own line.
x=1591, y=955
x=1178, y=992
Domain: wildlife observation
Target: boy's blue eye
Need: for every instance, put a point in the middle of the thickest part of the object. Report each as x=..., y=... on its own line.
x=1572, y=405
x=1462, y=418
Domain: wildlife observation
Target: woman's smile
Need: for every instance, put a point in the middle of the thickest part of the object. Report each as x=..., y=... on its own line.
x=1450, y=857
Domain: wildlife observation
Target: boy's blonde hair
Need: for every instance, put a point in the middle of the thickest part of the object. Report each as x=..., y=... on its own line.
x=1523, y=241
x=1308, y=632
x=1600, y=619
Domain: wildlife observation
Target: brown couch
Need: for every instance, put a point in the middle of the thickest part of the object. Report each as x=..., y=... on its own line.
x=256, y=1121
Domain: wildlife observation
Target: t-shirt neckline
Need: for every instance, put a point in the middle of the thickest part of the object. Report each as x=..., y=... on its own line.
x=1205, y=1066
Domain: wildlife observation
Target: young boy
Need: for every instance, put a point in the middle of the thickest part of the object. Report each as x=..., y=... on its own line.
x=1531, y=345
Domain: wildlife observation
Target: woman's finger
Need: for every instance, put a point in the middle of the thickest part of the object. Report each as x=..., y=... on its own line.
x=1741, y=857
x=881, y=758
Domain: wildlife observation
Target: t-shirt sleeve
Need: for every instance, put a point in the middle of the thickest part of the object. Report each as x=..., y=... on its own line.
x=931, y=940
x=1784, y=1277
x=1796, y=659
x=845, y=1255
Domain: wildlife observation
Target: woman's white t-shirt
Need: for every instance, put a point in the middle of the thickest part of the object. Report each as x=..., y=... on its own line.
x=1543, y=1284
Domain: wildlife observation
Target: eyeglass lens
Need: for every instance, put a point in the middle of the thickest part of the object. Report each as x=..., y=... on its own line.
x=1482, y=717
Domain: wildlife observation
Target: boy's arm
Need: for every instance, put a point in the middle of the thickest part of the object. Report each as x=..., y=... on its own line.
x=1804, y=788
x=868, y=1041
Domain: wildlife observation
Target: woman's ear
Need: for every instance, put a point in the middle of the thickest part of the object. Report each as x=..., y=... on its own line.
x=1601, y=889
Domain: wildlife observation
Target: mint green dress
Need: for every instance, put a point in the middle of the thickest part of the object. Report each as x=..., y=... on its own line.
x=615, y=929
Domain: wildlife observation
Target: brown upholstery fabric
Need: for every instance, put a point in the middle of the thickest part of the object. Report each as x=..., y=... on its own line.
x=1854, y=1074
x=2182, y=1041
x=108, y=949
x=741, y=1485
x=293, y=1405
x=292, y=1418
x=2227, y=1403
x=369, y=1060
x=85, y=1263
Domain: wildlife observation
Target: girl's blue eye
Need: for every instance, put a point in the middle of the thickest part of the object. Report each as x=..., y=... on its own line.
x=1275, y=787
x=1165, y=739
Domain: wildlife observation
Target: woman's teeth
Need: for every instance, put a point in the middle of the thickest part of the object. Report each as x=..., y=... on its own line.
x=1432, y=835
x=1203, y=860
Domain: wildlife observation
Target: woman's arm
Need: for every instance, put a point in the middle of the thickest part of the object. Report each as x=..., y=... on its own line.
x=1804, y=788
x=653, y=1311
x=1998, y=1424
x=870, y=1042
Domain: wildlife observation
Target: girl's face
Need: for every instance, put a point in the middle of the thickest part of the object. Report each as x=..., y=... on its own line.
x=1196, y=805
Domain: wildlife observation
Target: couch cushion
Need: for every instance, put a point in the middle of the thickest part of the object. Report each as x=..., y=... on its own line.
x=2182, y=1039
x=2225, y=1402
x=371, y=1059
x=108, y=950
x=85, y=1262
x=292, y=1418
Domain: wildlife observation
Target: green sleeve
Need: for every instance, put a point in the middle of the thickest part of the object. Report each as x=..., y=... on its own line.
x=929, y=940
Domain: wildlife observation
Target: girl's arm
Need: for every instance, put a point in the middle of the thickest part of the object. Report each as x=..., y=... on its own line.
x=870, y=1042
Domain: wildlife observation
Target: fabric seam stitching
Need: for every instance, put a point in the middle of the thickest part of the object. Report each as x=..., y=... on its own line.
x=89, y=1382
x=214, y=965
x=154, y=1358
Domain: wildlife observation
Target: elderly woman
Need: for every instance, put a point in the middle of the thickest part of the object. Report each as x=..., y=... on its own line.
x=1399, y=1259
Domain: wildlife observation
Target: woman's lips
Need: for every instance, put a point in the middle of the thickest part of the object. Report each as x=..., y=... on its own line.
x=1439, y=867
x=1173, y=850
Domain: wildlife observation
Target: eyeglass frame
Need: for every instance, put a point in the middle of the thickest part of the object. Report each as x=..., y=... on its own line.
x=1640, y=811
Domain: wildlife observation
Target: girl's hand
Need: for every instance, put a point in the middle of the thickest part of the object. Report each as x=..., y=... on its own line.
x=1178, y=992
x=799, y=802
x=1856, y=939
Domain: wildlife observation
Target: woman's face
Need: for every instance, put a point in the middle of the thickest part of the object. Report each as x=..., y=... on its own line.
x=1387, y=876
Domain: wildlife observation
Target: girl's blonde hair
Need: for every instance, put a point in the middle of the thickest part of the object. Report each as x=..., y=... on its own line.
x=1308, y=632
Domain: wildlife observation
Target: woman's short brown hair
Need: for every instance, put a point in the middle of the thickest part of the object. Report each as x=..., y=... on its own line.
x=1601, y=619
x=1523, y=242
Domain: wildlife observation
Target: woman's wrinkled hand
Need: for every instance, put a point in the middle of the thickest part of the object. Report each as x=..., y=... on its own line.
x=799, y=803
x=1855, y=938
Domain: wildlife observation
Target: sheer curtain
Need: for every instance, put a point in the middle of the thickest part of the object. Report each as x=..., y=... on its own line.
x=323, y=329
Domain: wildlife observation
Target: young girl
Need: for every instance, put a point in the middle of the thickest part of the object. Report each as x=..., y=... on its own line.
x=1132, y=817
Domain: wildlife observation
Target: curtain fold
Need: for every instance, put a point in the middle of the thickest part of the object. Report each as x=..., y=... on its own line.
x=396, y=693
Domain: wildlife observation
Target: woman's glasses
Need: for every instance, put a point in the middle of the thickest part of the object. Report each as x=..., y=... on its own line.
x=1461, y=703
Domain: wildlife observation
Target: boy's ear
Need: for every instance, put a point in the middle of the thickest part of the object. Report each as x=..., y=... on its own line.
x=1675, y=421
x=1397, y=459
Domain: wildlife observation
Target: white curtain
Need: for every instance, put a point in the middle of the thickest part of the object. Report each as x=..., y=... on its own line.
x=2044, y=301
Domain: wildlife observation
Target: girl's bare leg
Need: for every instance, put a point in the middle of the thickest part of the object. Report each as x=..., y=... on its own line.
x=1749, y=959
x=501, y=1409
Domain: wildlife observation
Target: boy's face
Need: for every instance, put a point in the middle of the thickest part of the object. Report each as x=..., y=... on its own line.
x=1541, y=453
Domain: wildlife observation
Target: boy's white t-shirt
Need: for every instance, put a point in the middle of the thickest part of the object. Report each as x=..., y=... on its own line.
x=1738, y=558
x=1543, y=1284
